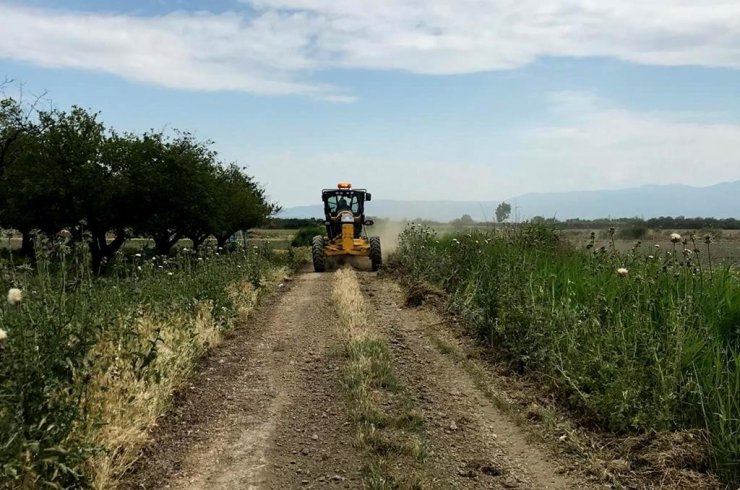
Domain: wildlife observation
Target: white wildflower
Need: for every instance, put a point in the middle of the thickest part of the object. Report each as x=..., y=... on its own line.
x=621, y=272
x=15, y=295
x=200, y=259
x=675, y=237
x=3, y=335
x=138, y=268
x=169, y=273
x=137, y=255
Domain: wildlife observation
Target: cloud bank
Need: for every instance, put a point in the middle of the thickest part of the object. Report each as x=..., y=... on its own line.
x=276, y=46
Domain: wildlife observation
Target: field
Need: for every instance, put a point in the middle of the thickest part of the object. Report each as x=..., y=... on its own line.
x=632, y=338
x=519, y=357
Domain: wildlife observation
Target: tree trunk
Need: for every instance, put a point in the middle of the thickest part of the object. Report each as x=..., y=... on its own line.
x=165, y=242
x=102, y=252
x=222, y=239
x=28, y=248
x=197, y=240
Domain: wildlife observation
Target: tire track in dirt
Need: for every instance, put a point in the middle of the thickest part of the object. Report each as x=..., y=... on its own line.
x=264, y=409
x=473, y=444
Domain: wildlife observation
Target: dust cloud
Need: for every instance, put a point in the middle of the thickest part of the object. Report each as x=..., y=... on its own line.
x=388, y=232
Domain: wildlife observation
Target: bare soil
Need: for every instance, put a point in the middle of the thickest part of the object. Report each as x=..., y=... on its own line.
x=266, y=408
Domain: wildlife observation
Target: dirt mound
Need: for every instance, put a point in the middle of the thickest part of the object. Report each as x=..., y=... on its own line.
x=418, y=294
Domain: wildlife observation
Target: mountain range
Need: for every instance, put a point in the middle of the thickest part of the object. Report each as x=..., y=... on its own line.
x=649, y=201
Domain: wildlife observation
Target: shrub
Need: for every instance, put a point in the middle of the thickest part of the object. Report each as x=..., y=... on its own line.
x=305, y=235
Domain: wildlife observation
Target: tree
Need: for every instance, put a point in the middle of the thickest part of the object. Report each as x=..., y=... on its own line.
x=242, y=204
x=17, y=131
x=86, y=164
x=503, y=211
x=170, y=185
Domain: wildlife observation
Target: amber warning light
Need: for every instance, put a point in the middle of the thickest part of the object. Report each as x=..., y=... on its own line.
x=344, y=185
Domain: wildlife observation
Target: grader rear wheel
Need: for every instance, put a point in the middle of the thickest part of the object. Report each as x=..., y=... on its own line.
x=376, y=255
x=317, y=252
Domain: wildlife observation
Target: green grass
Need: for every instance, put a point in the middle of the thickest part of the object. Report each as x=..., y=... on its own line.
x=654, y=349
x=89, y=363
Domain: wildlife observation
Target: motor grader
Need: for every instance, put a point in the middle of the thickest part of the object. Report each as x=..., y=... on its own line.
x=346, y=228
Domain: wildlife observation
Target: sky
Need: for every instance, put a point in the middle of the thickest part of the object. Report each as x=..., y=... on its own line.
x=411, y=99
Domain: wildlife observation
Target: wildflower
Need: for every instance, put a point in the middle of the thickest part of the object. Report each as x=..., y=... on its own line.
x=185, y=249
x=64, y=233
x=651, y=257
x=15, y=295
x=169, y=273
x=137, y=255
x=3, y=335
x=200, y=259
x=657, y=245
x=707, y=239
x=675, y=237
x=138, y=268
x=621, y=272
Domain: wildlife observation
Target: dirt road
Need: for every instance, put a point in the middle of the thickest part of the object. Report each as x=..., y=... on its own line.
x=267, y=409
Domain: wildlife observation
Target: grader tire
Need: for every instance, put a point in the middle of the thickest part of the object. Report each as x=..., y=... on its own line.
x=317, y=252
x=376, y=255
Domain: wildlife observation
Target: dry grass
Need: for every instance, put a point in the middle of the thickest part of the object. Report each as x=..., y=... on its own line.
x=389, y=428
x=130, y=403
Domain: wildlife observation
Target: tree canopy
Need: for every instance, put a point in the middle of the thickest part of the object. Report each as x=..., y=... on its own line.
x=65, y=170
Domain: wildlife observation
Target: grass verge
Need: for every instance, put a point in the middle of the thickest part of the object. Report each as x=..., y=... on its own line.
x=389, y=428
x=632, y=343
x=88, y=365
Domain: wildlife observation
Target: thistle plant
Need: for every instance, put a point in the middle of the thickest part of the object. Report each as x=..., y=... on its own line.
x=633, y=342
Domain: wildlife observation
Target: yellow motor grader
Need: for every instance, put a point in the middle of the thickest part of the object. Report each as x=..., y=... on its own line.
x=346, y=232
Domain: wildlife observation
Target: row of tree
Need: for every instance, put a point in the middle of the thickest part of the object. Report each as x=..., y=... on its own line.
x=64, y=170
x=659, y=223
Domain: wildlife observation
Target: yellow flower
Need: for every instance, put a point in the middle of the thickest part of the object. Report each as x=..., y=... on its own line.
x=15, y=295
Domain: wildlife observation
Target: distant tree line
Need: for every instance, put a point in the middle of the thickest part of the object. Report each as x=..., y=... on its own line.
x=66, y=172
x=663, y=222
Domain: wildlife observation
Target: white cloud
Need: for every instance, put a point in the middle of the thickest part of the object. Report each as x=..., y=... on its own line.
x=595, y=145
x=274, y=50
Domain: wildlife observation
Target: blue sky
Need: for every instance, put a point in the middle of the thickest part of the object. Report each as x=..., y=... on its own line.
x=433, y=99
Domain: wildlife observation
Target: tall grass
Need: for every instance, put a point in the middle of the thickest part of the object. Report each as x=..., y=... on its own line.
x=89, y=364
x=632, y=341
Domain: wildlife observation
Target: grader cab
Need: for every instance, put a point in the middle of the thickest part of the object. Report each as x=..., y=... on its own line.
x=346, y=228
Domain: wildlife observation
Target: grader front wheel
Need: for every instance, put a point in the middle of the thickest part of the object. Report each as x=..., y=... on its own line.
x=317, y=252
x=376, y=255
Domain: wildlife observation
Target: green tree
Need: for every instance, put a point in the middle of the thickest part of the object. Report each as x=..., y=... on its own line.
x=242, y=204
x=170, y=186
x=503, y=211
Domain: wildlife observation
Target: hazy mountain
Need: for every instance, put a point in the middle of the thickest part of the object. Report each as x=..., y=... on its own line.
x=436, y=210
x=718, y=201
